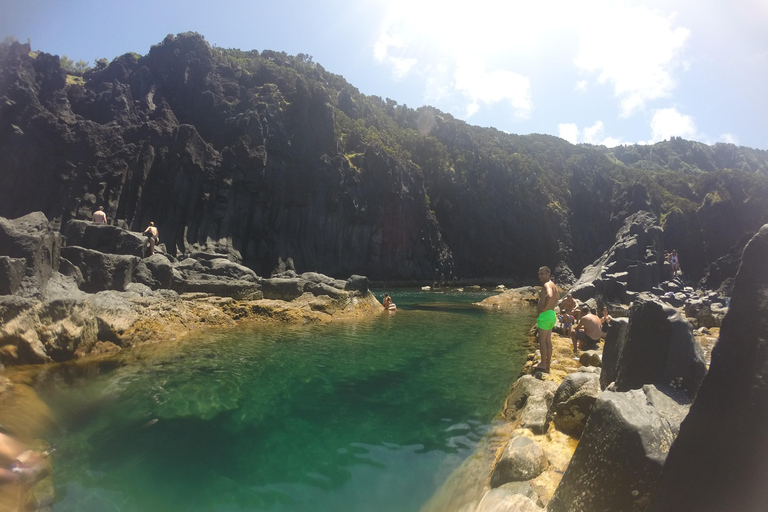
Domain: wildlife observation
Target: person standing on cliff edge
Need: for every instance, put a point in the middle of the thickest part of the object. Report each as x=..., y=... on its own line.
x=547, y=317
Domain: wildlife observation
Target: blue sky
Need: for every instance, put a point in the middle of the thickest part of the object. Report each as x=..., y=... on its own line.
x=599, y=71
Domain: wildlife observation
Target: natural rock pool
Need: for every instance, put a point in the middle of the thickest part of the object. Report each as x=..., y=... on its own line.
x=364, y=416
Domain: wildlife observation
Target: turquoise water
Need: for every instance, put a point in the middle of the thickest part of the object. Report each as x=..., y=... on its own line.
x=364, y=416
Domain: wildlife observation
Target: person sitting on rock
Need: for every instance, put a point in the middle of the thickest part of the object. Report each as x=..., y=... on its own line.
x=153, y=237
x=99, y=217
x=587, y=332
x=605, y=319
x=568, y=304
x=388, y=304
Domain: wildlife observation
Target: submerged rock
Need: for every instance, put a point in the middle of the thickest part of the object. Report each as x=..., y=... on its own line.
x=503, y=500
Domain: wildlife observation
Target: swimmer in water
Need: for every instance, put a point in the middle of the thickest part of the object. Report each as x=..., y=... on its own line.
x=387, y=303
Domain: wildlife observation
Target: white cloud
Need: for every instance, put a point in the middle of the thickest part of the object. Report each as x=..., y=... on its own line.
x=481, y=87
x=381, y=52
x=634, y=49
x=581, y=85
x=569, y=132
x=729, y=138
x=669, y=122
x=594, y=134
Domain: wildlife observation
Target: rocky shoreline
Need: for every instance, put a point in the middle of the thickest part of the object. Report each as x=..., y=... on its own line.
x=631, y=425
x=593, y=434
x=88, y=292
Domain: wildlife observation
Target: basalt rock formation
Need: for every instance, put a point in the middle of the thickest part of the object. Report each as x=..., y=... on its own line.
x=265, y=157
x=719, y=461
x=57, y=303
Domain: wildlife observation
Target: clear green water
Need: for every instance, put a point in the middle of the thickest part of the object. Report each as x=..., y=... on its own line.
x=365, y=416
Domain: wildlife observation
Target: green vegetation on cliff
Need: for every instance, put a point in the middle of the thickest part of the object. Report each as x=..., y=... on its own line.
x=432, y=196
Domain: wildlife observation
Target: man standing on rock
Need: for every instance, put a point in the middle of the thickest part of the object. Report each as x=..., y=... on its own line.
x=547, y=317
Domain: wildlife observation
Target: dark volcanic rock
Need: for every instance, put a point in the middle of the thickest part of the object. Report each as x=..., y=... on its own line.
x=101, y=271
x=720, y=459
x=619, y=458
x=660, y=349
x=573, y=402
x=632, y=264
x=103, y=238
x=29, y=238
x=615, y=339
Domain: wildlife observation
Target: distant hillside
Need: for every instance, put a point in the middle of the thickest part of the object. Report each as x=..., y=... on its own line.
x=263, y=155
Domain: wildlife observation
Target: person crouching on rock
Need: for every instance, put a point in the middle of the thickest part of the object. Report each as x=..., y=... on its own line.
x=388, y=304
x=588, y=331
x=153, y=237
x=547, y=317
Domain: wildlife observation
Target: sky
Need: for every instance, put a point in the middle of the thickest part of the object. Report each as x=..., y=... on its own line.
x=590, y=71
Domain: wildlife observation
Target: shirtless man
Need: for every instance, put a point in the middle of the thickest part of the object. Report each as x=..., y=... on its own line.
x=152, y=237
x=568, y=304
x=99, y=217
x=588, y=331
x=547, y=317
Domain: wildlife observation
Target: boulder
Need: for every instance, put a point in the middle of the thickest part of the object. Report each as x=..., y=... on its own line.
x=318, y=289
x=103, y=238
x=503, y=500
x=225, y=268
x=29, y=238
x=357, y=283
x=591, y=358
x=155, y=272
x=314, y=277
x=659, y=349
x=632, y=264
x=573, y=402
x=622, y=450
x=615, y=339
x=282, y=288
x=529, y=401
x=521, y=460
x=101, y=271
x=720, y=458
